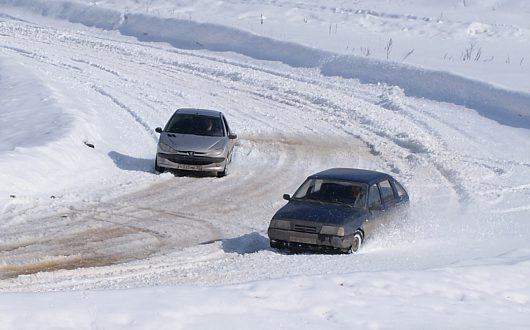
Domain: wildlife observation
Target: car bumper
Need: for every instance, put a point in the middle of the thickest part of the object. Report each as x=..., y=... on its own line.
x=294, y=239
x=191, y=163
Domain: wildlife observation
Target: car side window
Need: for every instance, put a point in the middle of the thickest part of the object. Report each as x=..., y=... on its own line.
x=386, y=191
x=374, y=199
x=400, y=190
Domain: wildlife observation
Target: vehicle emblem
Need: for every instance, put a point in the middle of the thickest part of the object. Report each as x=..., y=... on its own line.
x=191, y=153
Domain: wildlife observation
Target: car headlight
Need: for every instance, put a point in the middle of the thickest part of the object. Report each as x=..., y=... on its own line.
x=332, y=230
x=215, y=152
x=165, y=148
x=281, y=224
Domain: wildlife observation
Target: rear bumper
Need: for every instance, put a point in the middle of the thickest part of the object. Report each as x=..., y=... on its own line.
x=191, y=163
x=294, y=239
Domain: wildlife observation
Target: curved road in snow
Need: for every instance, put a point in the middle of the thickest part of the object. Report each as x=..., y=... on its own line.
x=290, y=122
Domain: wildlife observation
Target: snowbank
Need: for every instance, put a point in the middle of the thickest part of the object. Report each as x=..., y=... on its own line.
x=506, y=107
x=34, y=128
x=48, y=138
x=490, y=297
x=28, y=119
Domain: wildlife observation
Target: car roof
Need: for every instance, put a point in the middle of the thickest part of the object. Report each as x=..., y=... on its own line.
x=351, y=174
x=201, y=112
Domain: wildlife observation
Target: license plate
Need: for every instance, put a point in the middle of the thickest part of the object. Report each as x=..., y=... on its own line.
x=188, y=167
x=305, y=240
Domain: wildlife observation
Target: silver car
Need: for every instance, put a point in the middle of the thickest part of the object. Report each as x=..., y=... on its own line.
x=195, y=140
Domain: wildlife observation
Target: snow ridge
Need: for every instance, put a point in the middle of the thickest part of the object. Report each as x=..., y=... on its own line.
x=41, y=112
x=506, y=107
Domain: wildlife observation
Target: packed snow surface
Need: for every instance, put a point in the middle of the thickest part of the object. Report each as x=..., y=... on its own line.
x=435, y=93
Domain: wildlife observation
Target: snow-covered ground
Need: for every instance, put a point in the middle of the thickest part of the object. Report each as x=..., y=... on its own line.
x=436, y=93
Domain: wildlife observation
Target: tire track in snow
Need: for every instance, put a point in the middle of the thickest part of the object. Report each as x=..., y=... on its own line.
x=413, y=146
x=137, y=217
x=216, y=73
x=249, y=185
x=78, y=248
x=128, y=110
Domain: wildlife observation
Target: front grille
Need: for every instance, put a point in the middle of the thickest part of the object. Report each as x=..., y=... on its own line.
x=191, y=160
x=305, y=229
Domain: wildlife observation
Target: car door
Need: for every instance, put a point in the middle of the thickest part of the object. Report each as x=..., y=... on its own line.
x=389, y=202
x=375, y=208
x=231, y=141
x=387, y=194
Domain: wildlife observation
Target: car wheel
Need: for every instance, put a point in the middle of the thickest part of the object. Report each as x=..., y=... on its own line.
x=275, y=245
x=223, y=173
x=357, y=242
x=159, y=169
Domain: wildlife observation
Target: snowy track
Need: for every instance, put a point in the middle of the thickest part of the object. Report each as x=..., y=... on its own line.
x=131, y=227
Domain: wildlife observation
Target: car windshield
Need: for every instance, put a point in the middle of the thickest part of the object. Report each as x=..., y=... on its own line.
x=333, y=191
x=195, y=124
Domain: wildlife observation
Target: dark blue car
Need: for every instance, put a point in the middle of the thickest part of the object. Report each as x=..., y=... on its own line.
x=336, y=209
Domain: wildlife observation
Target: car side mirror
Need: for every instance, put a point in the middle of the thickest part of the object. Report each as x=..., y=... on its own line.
x=287, y=197
x=232, y=136
x=158, y=130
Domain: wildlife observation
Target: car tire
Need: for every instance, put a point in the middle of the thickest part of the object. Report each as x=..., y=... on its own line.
x=222, y=174
x=275, y=245
x=159, y=169
x=357, y=242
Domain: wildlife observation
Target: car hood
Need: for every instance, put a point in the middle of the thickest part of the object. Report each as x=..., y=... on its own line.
x=196, y=143
x=327, y=213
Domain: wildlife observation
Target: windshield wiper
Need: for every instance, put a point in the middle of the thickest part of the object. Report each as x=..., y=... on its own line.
x=342, y=203
x=305, y=198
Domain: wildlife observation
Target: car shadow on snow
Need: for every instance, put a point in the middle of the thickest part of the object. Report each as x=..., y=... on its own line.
x=129, y=163
x=248, y=243
x=256, y=242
